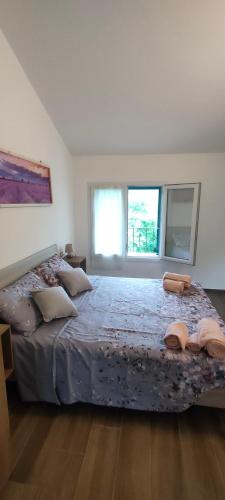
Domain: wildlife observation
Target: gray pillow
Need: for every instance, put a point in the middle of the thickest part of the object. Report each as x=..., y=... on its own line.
x=49, y=268
x=75, y=281
x=17, y=307
x=54, y=303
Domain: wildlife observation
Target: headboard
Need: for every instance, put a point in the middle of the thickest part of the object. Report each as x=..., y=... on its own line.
x=11, y=273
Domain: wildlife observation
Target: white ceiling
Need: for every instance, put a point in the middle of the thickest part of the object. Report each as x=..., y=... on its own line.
x=125, y=76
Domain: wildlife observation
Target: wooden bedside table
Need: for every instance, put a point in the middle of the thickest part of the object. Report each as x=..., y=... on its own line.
x=77, y=261
x=6, y=368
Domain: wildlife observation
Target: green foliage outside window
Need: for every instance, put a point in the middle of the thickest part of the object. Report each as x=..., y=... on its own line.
x=142, y=232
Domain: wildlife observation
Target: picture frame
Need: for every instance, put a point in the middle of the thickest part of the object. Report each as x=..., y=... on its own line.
x=23, y=182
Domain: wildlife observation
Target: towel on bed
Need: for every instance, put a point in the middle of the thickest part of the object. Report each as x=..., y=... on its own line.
x=173, y=286
x=185, y=278
x=176, y=335
x=193, y=343
x=211, y=337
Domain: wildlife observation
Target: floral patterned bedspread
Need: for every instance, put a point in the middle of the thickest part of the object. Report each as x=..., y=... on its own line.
x=113, y=353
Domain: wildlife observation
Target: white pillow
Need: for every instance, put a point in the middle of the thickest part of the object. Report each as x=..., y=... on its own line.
x=75, y=281
x=54, y=303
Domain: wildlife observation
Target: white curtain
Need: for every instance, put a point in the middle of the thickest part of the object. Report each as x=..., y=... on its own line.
x=108, y=221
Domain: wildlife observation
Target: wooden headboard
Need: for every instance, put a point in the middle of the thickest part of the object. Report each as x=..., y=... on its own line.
x=11, y=273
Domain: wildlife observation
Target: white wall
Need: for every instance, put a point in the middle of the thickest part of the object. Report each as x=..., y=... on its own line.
x=209, y=169
x=26, y=129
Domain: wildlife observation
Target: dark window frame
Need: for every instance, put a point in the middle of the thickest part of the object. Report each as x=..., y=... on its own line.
x=142, y=187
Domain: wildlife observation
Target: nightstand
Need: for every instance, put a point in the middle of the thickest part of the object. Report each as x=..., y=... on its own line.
x=77, y=261
x=6, y=368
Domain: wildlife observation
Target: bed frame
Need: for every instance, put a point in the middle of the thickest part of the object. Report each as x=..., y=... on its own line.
x=214, y=398
x=15, y=271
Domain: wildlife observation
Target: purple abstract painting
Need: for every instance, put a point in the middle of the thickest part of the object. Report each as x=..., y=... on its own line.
x=23, y=181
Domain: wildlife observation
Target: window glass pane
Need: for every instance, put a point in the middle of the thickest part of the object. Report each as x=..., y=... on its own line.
x=179, y=222
x=143, y=221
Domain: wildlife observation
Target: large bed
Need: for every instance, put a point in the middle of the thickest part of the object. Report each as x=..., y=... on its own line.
x=113, y=353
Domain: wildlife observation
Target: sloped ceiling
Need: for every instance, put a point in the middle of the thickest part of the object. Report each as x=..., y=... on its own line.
x=125, y=76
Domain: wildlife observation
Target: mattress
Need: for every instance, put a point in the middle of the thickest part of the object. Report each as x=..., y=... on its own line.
x=113, y=353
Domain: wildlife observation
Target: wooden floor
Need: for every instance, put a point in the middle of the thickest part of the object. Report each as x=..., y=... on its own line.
x=83, y=452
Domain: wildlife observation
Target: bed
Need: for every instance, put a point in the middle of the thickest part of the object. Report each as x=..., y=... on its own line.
x=113, y=353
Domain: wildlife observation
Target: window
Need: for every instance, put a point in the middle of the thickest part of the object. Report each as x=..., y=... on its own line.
x=180, y=222
x=143, y=230
x=108, y=209
x=143, y=221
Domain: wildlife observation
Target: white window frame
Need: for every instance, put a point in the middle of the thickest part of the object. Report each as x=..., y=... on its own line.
x=194, y=222
x=163, y=219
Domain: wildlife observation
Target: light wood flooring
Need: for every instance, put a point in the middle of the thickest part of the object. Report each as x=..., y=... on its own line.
x=83, y=452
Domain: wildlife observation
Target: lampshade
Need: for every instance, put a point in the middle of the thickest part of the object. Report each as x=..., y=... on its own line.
x=69, y=248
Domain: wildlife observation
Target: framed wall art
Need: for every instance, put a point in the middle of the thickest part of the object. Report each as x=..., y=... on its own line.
x=23, y=182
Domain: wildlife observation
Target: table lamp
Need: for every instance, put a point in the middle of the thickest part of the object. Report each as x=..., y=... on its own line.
x=69, y=250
